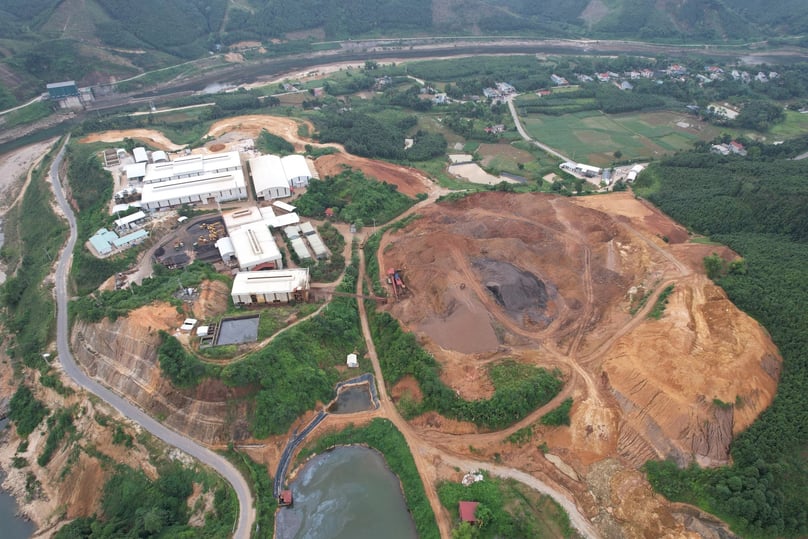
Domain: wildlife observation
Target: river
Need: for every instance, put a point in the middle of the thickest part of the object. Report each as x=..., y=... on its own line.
x=346, y=493
x=14, y=527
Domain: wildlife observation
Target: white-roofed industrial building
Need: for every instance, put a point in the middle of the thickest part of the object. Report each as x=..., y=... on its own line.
x=255, y=248
x=297, y=170
x=274, y=177
x=159, y=156
x=279, y=286
x=195, y=178
x=281, y=205
x=140, y=155
x=194, y=166
x=286, y=219
x=307, y=229
x=135, y=172
x=269, y=178
x=130, y=221
x=226, y=249
x=292, y=231
x=201, y=189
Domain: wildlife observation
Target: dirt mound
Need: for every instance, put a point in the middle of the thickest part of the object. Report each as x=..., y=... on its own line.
x=217, y=147
x=153, y=138
x=408, y=180
x=252, y=125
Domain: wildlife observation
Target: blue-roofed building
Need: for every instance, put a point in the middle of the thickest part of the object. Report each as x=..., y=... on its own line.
x=58, y=90
x=103, y=240
x=130, y=239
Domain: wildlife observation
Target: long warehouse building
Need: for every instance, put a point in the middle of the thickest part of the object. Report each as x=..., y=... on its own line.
x=272, y=286
x=194, y=179
x=274, y=177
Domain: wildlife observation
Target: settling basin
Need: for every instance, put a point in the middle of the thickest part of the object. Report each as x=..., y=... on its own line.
x=346, y=493
x=352, y=399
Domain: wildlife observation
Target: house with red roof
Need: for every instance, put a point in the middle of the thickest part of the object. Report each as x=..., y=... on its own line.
x=467, y=510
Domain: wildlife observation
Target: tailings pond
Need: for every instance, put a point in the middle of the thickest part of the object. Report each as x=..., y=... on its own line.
x=346, y=493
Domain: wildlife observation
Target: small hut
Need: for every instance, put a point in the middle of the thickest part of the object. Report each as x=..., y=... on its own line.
x=285, y=498
x=467, y=510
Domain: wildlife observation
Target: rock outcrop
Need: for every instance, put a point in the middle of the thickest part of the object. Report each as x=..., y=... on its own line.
x=123, y=355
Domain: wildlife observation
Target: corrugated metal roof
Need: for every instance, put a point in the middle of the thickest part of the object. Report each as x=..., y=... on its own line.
x=137, y=235
x=284, y=206
x=317, y=245
x=140, y=155
x=102, y=241
x=307, y=228
x=270, y=281
x=285, y=220
x=137, y=170
x=295, y=166
x=267, y=173
x=123, y=221
x=300, y=249
x=292, y=231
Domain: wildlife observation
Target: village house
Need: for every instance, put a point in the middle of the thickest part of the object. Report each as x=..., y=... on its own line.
x=558, y=81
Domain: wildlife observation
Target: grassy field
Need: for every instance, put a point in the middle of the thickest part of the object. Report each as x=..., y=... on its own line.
x=796, y=124
x=593, y=137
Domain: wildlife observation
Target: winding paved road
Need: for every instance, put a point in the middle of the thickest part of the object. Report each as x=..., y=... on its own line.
x=246, y=516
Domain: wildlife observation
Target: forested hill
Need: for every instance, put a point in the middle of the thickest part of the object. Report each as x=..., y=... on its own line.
x=759, y=207
x=91, y=40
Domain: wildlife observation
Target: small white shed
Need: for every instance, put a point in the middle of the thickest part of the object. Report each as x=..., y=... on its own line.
x=352, y=361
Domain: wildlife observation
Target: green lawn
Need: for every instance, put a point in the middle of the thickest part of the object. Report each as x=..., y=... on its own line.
x=593, y=137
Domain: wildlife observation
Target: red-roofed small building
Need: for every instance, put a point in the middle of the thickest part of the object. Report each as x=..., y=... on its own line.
x=467, y=510
x=285, y=498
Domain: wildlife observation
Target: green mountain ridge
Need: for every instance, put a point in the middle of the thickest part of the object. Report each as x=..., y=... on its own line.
x=94, y=40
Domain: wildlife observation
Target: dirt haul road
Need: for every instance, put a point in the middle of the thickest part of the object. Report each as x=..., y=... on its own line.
x=635, y=382
x=421, y=449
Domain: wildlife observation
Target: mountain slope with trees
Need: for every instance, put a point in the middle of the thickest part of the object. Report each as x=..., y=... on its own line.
x=755, y=205
x=92, y=40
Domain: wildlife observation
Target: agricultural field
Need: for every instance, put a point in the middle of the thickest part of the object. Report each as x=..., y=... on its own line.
x=795, y=124
x=593, y=137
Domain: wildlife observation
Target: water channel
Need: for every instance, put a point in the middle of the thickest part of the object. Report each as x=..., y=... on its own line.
x=346, y=493
x=14, y=527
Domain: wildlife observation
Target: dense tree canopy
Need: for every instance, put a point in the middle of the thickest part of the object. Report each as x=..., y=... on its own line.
x=757, y=207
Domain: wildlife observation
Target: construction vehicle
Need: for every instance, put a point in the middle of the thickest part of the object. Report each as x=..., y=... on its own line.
x=394, y=280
